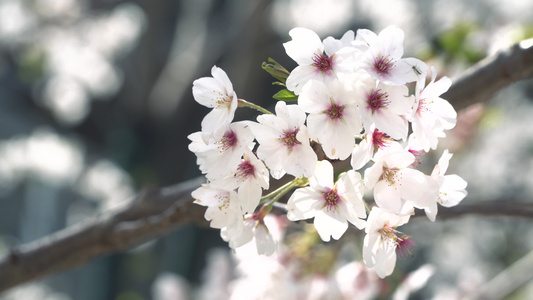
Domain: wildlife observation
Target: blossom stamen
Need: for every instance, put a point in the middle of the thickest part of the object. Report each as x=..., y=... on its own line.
x=289, y=138
x=335, y=111
x=377, y=100
x=389, y=175
x=245, y=170
x=404, y=246
x=331, y=198
x=323, y=63
x=383, y=65
x=223, y=100
x=380, y=139
x=229, y=140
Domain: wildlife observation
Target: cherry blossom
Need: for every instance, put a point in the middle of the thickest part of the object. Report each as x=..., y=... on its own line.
x=250, y=177
x=284, y=142
x=251, y=227
x=385, y=106
x=223, y=150
x=222, y=205
x=333, y=117
x=332, y=205
x=373, y=140
x=432, y=114
x=215, y=92
x=397, y=187
x=381, y=241
x=452, y=188
x=383, y=57
x=352, y=99
x=317, y=60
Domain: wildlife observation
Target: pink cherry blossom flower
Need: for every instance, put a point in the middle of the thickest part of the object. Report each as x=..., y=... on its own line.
x=382, y=243
x=215, y=92
x=333, y=117
x=332, y=205
x=284, y=143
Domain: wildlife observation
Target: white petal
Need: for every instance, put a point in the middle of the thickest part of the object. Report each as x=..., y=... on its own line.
x=323, y=176
x=300, y=76
x=303, y=204
x=387, y=196
x=361, y=155
x=264, y=241
x=329, y=225
x=314, y=97
x=304, y=45
x=385, y=260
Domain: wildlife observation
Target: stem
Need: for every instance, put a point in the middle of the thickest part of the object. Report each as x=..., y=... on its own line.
x=283, y=190
x=366, y=206
x=279, y=190
x=245, y=103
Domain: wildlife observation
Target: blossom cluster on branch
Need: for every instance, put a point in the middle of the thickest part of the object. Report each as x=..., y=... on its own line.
x=352, y=98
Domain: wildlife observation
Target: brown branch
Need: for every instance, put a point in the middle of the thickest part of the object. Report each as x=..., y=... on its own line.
x=151, y=214
x=157, y=211
x=481, y=81
x=500, y=207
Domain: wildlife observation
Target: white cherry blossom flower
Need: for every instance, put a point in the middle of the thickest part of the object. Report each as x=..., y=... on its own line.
x=332, y=205
x=333, y=116
x=397, y=187
x=317, y=60
x=223, y=151
x=373, y=140
x=284, y=142
x=385, y=106
x=452, y=188
x=383, y=57
x=382, y=242
x=251, y=227
x=250, y=177
x=215, y=92
x=432, y=114
x=223, y=208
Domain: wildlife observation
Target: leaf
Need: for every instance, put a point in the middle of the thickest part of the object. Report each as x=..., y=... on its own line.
x=276, y=70
x=285, y=95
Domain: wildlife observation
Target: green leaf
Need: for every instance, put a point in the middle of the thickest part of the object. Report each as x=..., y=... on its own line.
x=285, y=95
x=276, y=70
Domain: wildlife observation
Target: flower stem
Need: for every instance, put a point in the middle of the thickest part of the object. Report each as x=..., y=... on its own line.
x=366, y=206
x=279, y=190
x=244, y=103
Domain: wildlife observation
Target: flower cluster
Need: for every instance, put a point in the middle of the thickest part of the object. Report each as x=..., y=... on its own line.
x=352, y=106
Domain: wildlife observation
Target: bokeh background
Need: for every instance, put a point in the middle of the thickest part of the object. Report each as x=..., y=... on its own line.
x=96, y=104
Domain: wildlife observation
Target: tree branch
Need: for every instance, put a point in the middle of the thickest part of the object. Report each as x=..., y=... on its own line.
x=481, y=81
x=157, y=211
x=151, y=214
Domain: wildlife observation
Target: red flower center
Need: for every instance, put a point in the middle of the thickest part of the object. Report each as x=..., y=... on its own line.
x=331, y=198
x=377, y=100
x=323, y=63
x=289, y=138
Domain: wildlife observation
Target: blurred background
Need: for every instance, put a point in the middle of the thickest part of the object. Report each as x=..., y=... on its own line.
x=96, y=103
